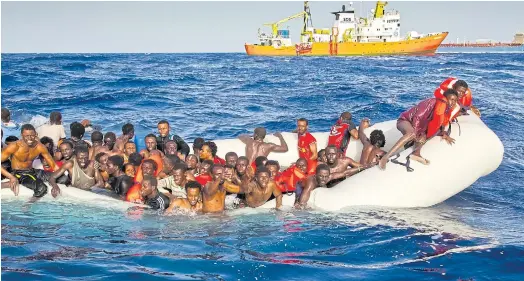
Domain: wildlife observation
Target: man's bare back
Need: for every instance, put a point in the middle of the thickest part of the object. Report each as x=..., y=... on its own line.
x=256, y=146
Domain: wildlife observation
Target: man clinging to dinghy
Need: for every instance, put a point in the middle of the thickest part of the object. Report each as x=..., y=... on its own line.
x=341, y=133
x=465, y=99
x=256, y=146
x=372, y=146
x=421, y=122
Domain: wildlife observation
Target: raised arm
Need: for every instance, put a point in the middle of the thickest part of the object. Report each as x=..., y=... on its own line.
x=245, y=139
x=279, y=148
x=211, y=188
x=364, y=124
x=233, y=188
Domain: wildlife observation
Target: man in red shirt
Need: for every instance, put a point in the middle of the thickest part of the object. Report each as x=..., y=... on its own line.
x=341, y=133
x=307, y=145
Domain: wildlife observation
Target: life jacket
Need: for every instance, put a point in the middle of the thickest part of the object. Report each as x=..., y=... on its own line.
x=203, y=179
x=464, y=101
x=338, y=133
x=428, y=116
x=287, y=180
x=441, y=117
x=134, y=192
x=218, y=160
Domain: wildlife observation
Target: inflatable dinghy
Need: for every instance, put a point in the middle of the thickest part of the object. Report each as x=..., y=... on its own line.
x=477, y=152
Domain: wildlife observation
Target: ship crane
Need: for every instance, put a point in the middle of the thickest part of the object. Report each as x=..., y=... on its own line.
x=275, y=25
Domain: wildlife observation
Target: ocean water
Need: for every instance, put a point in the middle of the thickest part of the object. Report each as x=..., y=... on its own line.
x=476, y=235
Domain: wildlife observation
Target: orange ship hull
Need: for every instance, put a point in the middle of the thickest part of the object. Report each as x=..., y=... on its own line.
x=424, y=46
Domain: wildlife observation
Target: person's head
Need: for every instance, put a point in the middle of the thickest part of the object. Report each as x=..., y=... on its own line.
x=163, y=128
x=331, y=154
x=260, y=161
x=229, y=171
x=377, y=138
x=6, y=115
x=129, y=170
x=77, y=130
x=170, y=147
x=11, y=139
x=259, y=134
x=217, y=171
x=241, y=165
x=115, y=163
x=82, y=156
x=193, y=189
x=128, y=130
x=322, y=156
x=452, y=97
x=102, y=158
x=262, y=176
x=149, y=167
x=345, y=117
x=66, y=148
x=273, y=166
x=302, y=125
x=29, y=135
x=170, y=160
x=302, y=164
x=322, y=174
x=129, y=148
x=205, y=167
x=208, y=151
x=231, y=158
x=150, y=141
x=149, y=186
x=461, y=87
x=55, y=118
x=197, y=145
x=191, y=161
x=179, y=173
x=97, y=138
x=135, y=158
x=110, y=140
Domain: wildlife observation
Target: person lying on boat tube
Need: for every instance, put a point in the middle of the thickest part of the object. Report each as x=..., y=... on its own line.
x=421, y=122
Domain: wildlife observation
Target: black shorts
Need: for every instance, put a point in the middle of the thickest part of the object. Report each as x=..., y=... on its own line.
x=29, y=179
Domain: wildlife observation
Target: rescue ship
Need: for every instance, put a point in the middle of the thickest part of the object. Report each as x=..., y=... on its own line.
x=378, y=34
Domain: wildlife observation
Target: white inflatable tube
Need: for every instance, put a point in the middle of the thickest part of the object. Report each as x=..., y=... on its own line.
x=476, y=153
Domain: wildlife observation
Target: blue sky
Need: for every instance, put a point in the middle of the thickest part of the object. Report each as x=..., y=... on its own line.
x=221, y=26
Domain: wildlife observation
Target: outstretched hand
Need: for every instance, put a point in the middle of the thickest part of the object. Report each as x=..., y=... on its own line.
x=277, y=134
x=448, y=139
x=13, y=185
x=55, y=191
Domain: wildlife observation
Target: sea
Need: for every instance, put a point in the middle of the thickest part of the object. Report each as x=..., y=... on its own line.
x=477, y=234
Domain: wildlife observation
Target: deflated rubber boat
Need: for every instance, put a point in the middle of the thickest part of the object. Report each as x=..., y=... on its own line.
x=476, y=153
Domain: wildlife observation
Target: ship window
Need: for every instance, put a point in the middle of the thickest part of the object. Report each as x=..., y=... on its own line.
x=398, y=24
x=337, y=16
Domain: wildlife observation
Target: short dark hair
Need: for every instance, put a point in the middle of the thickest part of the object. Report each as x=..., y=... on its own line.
x=231, y=153
x=117, y=160
x=68, y=142
x=6, y=114
x=262, y=169
x=193, y=184
x=151, y=179
x=81, y=149
x=303, y=120
x=27, y=127
x=173, y=158
x=198, y=143
x=97, y=136
x=55, y=117
x=450, y=92
x=212, y=146
x=321, y=167
x=346, y=115
x=460, y=83
x=150, y=136
x=128, y=128
x=99, y=155
x=14, y=138
x=377, y=138
x=209, y=162
x=155, y=166
x=259, y=161
x=243, y=158
x=77, y=130
x=260, y=132
x=228, y=166
x=320, y=151
x=216, y=166
x=272, y=163
x=135, y=158
x=163, y=122
x=180, y=166
x=110, y=135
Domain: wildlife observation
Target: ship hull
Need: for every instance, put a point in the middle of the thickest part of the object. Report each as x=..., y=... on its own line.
x=423, y=46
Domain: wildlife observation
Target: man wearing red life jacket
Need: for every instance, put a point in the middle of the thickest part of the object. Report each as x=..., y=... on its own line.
x=465, y=98
x=423, y=121
x=307, y=145
x=288, y=180
x=342, y=131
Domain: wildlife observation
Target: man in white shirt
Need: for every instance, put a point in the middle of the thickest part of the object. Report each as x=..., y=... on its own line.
x=54, y=129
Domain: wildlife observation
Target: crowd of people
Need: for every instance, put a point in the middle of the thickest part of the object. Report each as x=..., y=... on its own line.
x=168, y=175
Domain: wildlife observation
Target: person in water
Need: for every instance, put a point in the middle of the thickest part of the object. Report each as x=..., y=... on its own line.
x=152, y=196
x=209, y=152
x=242, y=168
x=231, y=158
x=273, y=167
x=289, y=179
x=307, y=145
x=192, y=202
x=423, y=121
x=54, y=129
x=192, y=163
x=214, y=192
x=22, y=154
x=322, y=156
x=341, y=133
x=82, y=171
x=256, y=146
x=118, y=180
x=97, y=141
x=372, y=147
x=319, y=179
x=204, y=172
x=338, y=166
x=197, y=146
x=128, y=132
x=175, y=182
x=259, y=190
x=164, y=136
